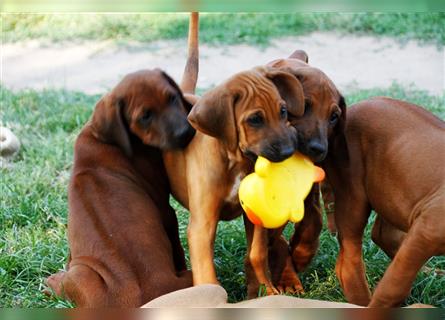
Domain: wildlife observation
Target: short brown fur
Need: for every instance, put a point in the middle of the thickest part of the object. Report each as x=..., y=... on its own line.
x=390, y=159
x=322, y=102
x=205, y=176
x=122, y=232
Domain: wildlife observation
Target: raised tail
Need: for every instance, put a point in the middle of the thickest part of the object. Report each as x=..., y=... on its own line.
x=190, y=76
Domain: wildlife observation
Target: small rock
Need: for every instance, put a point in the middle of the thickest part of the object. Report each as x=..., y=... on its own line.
x=9, y=143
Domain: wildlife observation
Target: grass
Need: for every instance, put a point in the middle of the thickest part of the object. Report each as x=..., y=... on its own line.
x=250, y=28
x=33, y=207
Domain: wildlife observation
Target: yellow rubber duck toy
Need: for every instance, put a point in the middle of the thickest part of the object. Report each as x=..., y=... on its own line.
x=275, y=192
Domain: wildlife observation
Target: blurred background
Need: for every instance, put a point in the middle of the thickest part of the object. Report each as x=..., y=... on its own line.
x=56, y=66
x=91, y=52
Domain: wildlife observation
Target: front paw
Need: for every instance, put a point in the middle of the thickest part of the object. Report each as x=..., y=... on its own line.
x=290, y=283
x=261, y=290
x=267, y=290
x=287, y=281
x=293, y=289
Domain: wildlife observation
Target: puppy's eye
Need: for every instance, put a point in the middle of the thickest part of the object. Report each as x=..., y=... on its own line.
x=333, y=118
x=283, y=112
x=173, y=99
x=255, y=120
x=146, y=117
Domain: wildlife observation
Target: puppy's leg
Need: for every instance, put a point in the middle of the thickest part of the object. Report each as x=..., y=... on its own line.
x=81, y=285
x=305, y=240
x=426, y=238
x=256, y=262
x=351, y=216
x=283, y=274
x=54, y=282
x=171, y=226
x=329, y=205
x=387, y=237
x=201, y=237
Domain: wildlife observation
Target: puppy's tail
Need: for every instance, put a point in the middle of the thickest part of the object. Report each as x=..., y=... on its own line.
x=190, y=76
x=300, y=55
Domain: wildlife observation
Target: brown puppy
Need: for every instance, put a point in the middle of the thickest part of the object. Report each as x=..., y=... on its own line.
x=389, y=158
x=324, y=107
x=237, y=121
x=122, y=233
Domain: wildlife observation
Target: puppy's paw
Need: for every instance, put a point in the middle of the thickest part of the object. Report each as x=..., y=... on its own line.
x=267, y=290
x=289, y=282
x=290, y=285
x=291, y=290
x=54, y=283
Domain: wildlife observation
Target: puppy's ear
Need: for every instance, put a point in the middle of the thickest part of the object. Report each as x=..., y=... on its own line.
x=187, y=105
x=340, y=127
x=338, y=147
x=214, y=115
x=290, y=90
x=109, y=124
x=300, y=55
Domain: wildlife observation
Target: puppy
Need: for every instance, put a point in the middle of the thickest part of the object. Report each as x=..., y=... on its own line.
x=122, y=233
x=324, y=105
x=388, y=157
x=239, y=120
x=324, y=111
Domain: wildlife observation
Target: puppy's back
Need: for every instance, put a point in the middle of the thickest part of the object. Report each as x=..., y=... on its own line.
x=381, y=111
x=402, y=148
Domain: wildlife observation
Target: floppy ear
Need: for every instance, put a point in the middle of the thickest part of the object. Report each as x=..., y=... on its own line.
x=338, y=147
x=109, y=125
x=172, y=82
x=214, y=115
x=290, y=90
x=340, y=127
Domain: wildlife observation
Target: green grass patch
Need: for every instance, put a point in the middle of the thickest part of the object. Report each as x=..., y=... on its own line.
x=218, y=28
x=33, y=207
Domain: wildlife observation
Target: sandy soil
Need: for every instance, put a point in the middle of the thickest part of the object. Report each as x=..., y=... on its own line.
x=351, y=62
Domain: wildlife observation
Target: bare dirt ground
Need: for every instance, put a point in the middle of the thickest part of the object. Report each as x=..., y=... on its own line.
x=351, y=62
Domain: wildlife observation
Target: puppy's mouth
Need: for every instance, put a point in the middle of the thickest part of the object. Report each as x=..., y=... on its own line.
x=277, y=152
x=249, y=154
x=270, y=154
x=318, y=158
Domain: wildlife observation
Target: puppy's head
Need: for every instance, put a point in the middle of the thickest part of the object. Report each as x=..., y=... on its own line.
x=147, y=104
x=249, y=112
x=324, y=112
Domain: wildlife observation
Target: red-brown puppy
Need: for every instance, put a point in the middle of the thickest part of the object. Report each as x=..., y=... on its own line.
x=283, y=276
x=389, y=158
x=324, y=106
x=122, y=233
x=237, y=121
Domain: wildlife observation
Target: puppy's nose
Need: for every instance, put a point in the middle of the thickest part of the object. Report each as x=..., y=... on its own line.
x=181, y=136
x=286, y=152
x=181, y=131
x=317, y=149
x=277, y=152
